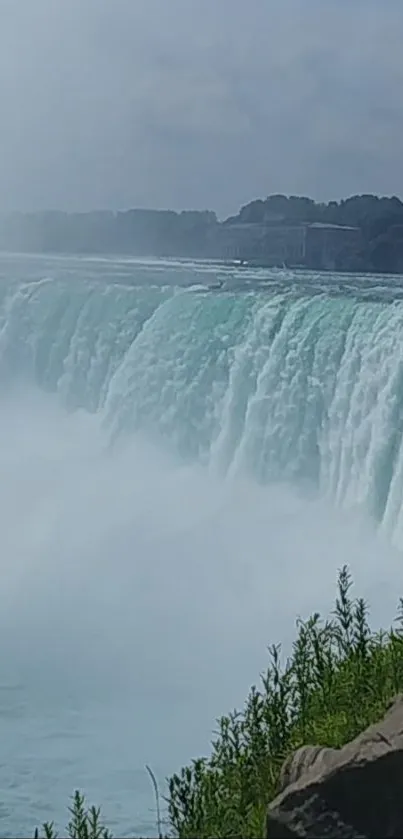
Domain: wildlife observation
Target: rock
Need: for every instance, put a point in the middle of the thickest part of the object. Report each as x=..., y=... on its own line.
x=351, y=793
x=301, y=761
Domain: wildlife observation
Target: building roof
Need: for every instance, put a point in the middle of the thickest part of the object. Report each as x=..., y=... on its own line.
x=321, y=225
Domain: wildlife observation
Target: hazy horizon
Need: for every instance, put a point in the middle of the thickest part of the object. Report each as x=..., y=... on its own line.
x=194, y=105
x=166, y=209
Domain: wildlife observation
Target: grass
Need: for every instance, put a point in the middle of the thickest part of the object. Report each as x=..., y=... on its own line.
x=339, y=678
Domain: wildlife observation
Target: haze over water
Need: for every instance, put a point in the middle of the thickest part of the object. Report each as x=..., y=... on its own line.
x=182, y=472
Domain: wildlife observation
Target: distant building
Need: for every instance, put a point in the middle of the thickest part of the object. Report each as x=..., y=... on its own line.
x=267, y=243
x=332, y=246
x=319, y=246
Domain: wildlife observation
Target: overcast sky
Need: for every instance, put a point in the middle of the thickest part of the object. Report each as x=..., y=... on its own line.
x=198, y=103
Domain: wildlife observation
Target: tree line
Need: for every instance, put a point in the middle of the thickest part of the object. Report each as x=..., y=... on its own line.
x=191, y=233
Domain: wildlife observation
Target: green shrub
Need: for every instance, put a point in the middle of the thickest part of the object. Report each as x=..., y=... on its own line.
x=85, y=823
x=339, y=679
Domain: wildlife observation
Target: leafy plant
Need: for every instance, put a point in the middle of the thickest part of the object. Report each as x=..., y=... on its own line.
x=339, y=679
x=84, y=823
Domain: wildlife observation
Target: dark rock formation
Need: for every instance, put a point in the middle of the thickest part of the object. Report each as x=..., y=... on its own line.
x=351, y=793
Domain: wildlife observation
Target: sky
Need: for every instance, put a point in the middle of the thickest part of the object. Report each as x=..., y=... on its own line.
x=201, y=104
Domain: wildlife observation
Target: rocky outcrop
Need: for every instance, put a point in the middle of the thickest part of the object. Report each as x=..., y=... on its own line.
x=349, y=793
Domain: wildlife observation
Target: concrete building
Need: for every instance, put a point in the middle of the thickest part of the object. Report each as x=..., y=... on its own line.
x=331, y=246
x=320, y=246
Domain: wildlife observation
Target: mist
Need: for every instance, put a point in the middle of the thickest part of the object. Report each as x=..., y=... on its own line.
x=138, y=596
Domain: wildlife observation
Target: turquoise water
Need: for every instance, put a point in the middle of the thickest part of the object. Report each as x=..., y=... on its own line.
x=181, y=471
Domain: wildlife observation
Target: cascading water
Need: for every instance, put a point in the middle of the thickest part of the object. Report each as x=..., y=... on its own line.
x=289, y=389
x=181, y=473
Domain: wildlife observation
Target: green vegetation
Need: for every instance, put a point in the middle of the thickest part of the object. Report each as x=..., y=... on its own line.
x=85, y=823
x=340, y=678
